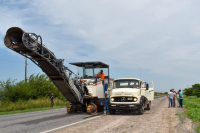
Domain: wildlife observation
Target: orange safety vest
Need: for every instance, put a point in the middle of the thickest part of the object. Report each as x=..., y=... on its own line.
x=102, y=76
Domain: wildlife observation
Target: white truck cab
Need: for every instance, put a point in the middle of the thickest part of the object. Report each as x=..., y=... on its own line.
x=131, y=93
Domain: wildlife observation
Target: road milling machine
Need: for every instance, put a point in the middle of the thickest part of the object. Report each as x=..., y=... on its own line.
x=84, y=94
x=95, y=89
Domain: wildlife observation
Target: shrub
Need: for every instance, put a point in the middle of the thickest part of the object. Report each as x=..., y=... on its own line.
x=188, y=91
x=38, y=86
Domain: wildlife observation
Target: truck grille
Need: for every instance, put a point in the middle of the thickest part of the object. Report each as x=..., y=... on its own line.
x=123, y=99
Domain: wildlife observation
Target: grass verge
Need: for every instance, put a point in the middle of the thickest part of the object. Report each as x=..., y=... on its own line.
x=192, y=105
x=30, y=110
x=8, y=107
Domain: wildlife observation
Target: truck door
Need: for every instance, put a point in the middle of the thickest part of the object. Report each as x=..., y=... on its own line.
x=150, y=92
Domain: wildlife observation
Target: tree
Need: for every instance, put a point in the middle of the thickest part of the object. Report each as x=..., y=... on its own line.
x=36, y=87
x=193, y=91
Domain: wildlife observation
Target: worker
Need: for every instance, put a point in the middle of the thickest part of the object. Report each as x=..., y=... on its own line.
x=174, y=97
x=181, y=98
x=101, y=75
x=177, y=95
x=171, y=96
x=52, y=102
x=95, y=108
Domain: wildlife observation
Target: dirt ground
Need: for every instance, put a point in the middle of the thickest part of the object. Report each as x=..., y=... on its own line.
x=160, y=119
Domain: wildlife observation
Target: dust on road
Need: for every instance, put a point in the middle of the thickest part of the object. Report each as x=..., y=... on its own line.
x=160, y=119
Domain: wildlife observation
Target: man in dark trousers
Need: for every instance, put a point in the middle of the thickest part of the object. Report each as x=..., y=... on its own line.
x=52, y=102
x=181, y=98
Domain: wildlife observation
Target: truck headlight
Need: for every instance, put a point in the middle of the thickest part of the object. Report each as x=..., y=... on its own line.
x=135, y=99
x=112, y=99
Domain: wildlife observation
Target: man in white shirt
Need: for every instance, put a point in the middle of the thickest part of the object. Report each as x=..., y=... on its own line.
x=171, y=97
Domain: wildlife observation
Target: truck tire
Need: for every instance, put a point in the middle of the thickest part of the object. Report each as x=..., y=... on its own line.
x=149, y=106
x=112, y=111
x=141, y=109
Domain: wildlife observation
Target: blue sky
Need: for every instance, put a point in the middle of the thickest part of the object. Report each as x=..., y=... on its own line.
x=159, y=38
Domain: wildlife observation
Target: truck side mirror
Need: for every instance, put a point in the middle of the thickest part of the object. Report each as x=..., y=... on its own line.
x=147, y=86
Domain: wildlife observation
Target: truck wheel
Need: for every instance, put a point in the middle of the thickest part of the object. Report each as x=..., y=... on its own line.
x=112, y=111
x=149, y=106
x=141, y=110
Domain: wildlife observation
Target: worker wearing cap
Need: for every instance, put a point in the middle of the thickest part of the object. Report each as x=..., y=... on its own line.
x=101, y=75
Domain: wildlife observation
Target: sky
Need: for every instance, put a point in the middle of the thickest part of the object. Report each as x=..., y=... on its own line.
x=151, y=40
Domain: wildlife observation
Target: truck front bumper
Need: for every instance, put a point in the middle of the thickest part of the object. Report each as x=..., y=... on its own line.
x=124, y=106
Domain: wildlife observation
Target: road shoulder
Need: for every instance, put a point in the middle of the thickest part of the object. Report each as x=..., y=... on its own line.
x=160, y=119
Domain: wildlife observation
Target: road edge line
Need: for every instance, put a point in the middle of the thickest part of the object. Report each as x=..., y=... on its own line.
x=69, y=125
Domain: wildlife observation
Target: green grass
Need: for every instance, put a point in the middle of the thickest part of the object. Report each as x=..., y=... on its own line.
x=182, y=117
x=7, y=107
x=192, y=104
x=30, y=110
x=131, y=125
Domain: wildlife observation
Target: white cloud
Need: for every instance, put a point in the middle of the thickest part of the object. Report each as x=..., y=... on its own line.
x=160, y=36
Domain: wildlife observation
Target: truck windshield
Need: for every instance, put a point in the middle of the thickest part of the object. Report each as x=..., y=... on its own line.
x=126, y=84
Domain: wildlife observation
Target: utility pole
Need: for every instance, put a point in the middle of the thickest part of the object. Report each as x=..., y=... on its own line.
x=25, y=67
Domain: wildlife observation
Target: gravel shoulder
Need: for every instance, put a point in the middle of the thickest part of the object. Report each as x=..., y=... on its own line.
x=160, y=119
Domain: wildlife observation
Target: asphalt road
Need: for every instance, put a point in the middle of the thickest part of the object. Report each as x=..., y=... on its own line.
x=39, y=121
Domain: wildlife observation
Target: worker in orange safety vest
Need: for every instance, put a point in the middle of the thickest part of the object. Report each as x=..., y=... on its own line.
x=101, y=75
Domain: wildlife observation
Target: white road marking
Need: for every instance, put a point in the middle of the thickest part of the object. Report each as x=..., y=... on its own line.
x=69, y=125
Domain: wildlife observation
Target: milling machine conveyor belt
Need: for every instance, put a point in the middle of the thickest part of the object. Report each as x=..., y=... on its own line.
x=28, y=45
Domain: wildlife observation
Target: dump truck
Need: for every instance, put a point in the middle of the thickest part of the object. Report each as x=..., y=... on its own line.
x=85, y=93
x=131, y=94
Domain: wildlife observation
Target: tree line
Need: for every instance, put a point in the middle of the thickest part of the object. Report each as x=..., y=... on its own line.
x=192, y=91
x=36, y=86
